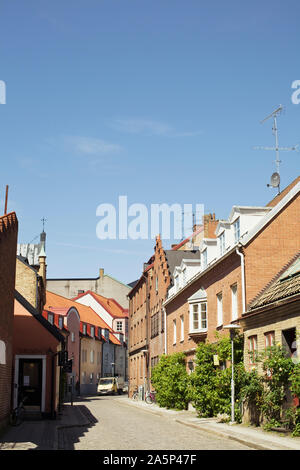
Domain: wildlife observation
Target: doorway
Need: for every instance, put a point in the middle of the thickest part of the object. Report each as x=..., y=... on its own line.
x=30, y=383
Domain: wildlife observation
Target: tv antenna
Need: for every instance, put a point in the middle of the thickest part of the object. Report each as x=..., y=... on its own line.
x=275, y=178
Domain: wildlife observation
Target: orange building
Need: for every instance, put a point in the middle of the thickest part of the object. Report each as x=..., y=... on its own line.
x=36, y=370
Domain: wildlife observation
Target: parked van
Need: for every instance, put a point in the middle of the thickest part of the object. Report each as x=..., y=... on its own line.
x=110, y=385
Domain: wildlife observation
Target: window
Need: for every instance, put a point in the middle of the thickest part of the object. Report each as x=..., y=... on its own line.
x=234, y=310
x=91, y=378
x=203, y=315
x=174, y=332
x=162, y=313
x=198, y=320
x=181, y=328
x=60, y=322
x=154, y=325
x=50, y=318
x=92, y=355
x=92, y=331
x=269, y=339
x=156, y=284
x=73, y=337
x=252, y=349
x=222, y=243
x=204, y=258
x=195, y=317
x=2, y=353
x=119, y=326
x=289, y=342
x=236, y=227
x=220, y=309
x=80, y=291
x=84, y=329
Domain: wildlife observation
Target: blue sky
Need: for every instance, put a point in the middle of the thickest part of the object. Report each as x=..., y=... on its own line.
x=160, y=101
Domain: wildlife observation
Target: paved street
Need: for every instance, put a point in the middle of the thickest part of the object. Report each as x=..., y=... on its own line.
x=119, y=426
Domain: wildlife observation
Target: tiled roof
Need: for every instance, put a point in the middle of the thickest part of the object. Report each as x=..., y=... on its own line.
x=87, y=314
x=279, y=196
x=110, y=305
x=8, y=221
x=285, y=285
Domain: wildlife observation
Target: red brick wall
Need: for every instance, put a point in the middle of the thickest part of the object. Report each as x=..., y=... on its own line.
x=8, y=250
x=272, y=248
x=220, y=279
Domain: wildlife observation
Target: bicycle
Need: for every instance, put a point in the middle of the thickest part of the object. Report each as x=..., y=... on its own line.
x=135, y=394
x=18, y=413
x=150, y=398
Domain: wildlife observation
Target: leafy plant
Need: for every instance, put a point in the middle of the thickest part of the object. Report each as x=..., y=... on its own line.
x=170, y=380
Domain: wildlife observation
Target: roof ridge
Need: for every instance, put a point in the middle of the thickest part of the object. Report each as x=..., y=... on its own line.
x=275, y=278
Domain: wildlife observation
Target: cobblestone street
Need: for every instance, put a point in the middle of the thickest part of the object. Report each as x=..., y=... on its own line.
x=118, y=426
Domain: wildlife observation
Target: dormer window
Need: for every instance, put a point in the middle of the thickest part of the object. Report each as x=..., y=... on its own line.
x=236, y=227
x=60, y=322
x=92, y=331
x=222, y=243
x=84, y=329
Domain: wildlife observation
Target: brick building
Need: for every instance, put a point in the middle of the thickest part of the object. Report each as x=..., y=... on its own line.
x=274, y=315
x=248, y=250
x=8, y=249
x=147, y=333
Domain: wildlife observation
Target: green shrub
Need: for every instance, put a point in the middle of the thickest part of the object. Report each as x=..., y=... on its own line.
x=170, y=380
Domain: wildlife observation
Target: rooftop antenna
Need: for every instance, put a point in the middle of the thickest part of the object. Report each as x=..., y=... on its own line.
x=275, y=178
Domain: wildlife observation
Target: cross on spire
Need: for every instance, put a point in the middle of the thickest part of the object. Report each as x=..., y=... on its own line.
x=43, y=220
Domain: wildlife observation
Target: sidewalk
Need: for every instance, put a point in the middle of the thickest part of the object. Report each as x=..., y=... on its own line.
x=251, y=436
x=46, y=434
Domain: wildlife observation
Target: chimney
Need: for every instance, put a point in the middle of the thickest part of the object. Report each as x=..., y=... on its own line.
x=210, y=224
x=101, y=272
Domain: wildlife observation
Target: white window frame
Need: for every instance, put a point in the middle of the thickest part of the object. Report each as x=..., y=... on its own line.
x=200, y=320
x=92, y=331
x=119, y=325
x=237, y=230
x=219, y=309
x=84, y=328
x=60, y=322
x=181, y=328
x=234, y=303
x=174, y=332
x=51, y=316
x=72, y=337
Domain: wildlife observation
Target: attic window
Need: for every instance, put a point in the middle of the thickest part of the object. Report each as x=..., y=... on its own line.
x=80, y=291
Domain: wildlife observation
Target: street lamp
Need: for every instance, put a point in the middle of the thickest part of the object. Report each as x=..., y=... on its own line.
x=232, y=329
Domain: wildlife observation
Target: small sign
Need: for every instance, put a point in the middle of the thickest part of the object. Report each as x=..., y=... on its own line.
x=26, y=380
x=216, y=360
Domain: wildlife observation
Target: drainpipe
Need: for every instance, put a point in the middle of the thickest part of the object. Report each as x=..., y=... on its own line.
x=165, y=322
x=243, y=277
